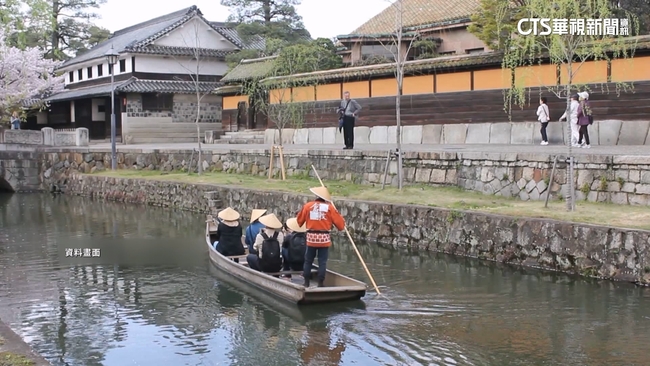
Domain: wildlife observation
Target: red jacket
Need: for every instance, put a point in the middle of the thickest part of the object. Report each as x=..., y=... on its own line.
x=319, y=217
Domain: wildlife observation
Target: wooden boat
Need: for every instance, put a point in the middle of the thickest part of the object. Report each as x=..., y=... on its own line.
x=337, y=286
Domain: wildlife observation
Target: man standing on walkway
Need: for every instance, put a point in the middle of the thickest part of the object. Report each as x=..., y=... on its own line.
x=349, y=108
x=318, y=216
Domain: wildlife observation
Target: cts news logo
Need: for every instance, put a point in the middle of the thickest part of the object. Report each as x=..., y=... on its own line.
x=544, y=23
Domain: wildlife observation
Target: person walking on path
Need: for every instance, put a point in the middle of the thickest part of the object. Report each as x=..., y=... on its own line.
x=585, y=118
x=15, y=121
x=573, y=120
x=543, y=116
x=349, y=111
x=318, y=216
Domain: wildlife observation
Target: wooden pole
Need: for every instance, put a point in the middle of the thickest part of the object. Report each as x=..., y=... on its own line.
x=281, y=153
x=271, y=163
x=352, y=241
x=383, y=182
x=550, y=182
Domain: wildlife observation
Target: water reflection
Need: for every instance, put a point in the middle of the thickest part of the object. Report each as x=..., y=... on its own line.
x=435, y=309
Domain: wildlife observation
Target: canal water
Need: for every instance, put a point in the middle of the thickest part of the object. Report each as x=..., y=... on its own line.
x=159, y=302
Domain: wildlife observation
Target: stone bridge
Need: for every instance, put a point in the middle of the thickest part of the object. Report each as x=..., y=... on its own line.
x=20, y=171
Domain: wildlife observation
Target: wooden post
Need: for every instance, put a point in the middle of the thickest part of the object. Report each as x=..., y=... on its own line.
x=271, y=163
x=383, y=182
x=282, y=170
x=550, y=182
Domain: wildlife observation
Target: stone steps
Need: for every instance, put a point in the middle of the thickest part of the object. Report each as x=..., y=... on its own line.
x=240, y=141
x=241, y=137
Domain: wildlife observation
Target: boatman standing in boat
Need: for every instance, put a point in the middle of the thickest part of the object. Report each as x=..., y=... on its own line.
x=319, y=216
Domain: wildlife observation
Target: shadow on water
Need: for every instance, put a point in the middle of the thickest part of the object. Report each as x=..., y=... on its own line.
x=161, y=302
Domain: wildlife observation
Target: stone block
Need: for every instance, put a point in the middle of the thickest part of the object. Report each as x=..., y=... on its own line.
x=392, y=134
x=287, y=136
x=412, y=135
x=26, y=137
x=338, y=138
x=301, y=136
x=632, y=133
x=48, y=136
x=65, y=138
x=522, y=132
x=361, y=135
x=379, y=135
x=271, y=136
x=500, y=133
x=594, y=134
x=81, y=136
x=556, y=132
x=438, y=176
x=422, y=175
x=315, y=136
x=608, y=132
x=329, y=135
x=454, y=134
x=478, y=133
x=432, y=134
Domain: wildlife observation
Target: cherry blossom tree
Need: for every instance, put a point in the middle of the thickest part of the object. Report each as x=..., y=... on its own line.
x=24, y=74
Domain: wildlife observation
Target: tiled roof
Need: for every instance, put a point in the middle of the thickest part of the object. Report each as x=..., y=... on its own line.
x=251, y=69
x=228, y=90
x=91, y=91
x=135, y=85
x=182, y=51
x=255, y=43
x=415, y=66
x=416, y=13
x=138, y=37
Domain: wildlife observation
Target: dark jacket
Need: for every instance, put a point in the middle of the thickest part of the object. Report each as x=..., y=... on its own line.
x=584, y=111
x=229, y=238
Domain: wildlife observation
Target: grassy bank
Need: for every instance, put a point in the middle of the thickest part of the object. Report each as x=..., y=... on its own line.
x=636, y=217
x=12, y=359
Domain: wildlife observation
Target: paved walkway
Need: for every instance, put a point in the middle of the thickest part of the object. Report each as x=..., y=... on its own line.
x=475, y=148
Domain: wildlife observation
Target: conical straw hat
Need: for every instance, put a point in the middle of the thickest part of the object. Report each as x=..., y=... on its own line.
x=256, y=214
x=321, y=192
x=228, y=214
x=271, y=221
x=292, y=224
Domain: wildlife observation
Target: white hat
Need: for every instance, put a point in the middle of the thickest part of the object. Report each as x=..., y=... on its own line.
x=271, y=221
x=292, y=224
x=583, y=95
x=228, y=214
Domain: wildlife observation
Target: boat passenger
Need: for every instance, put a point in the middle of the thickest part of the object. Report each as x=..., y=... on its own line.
x=253, y=229
x=294, y=246
x=319, y=216
x=267, y=246
x=229, y=233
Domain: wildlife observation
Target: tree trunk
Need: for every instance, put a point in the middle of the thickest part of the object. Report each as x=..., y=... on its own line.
x=266, y=6
x=54, y=39
x=570, y=205
x=198, y=130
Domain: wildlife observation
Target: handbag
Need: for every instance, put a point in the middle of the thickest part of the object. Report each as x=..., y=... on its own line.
x=342, y=112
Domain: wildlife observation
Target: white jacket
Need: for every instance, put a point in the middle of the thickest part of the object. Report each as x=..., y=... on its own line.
x=543, y=115
x=574, y=111
x=259, y=239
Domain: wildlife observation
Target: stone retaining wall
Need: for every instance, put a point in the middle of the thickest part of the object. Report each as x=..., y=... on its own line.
x=599, y=178
x=605, y=132
x=589, y=250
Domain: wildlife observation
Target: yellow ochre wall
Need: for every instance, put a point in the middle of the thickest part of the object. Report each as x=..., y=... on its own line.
x=230, y=102
x=280, y=95
x=492, y=79
x=358, y=89
x=624, y=70
x=304, y=94
x=536, y=76
x=591, y=72
x=634, y=69
x=328, y=92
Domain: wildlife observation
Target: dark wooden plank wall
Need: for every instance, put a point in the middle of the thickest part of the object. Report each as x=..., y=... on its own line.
x=229, y=120
x=481, y=106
